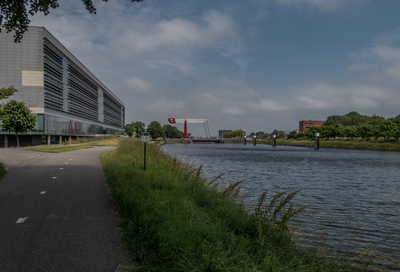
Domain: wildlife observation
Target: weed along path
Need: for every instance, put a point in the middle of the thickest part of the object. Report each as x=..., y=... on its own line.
x=56, y=213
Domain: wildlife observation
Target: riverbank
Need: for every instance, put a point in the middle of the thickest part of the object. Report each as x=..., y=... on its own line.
x=174, y=220
x=340, y=144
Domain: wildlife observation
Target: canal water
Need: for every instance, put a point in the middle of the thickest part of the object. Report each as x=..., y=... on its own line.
x=353, y=195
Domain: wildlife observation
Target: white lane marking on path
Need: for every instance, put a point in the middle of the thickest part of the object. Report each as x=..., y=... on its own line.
x=21, y=220
x=61, y=168
x=43, y=192
x=66, y=163
x=54, y=177
x=70, y=159
x=73, y=156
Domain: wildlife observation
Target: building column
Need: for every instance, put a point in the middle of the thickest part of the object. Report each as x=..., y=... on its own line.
x=70, y=138
x=5, y=140
x=60, y=139
x=77, y=137
x=48, y=139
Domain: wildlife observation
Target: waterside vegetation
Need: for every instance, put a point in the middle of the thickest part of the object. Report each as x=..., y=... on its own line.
x=175, y=220
x=338, y=143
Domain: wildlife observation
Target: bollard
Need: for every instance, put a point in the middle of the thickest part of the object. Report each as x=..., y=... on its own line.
x=244, y=140
x=316, y=141
x=273, y=140
x=254, y=140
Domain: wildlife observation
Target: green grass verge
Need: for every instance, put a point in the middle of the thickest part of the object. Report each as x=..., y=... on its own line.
x=174, y=220
x=58, y=149
x=2, y=170
x=81, y=141
x=366, y=145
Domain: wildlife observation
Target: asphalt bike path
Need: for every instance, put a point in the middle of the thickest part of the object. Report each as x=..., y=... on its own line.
x=56, y=213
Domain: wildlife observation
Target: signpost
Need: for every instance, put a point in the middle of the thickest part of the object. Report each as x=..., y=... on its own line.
x=145, y=137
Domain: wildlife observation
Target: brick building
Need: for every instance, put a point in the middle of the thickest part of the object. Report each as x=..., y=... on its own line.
x=306, y=124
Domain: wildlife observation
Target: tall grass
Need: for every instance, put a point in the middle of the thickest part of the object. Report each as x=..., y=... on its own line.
x=58, y=149
x=367, y=145
x=175, y=220
x=81, y=140
x=2, y=170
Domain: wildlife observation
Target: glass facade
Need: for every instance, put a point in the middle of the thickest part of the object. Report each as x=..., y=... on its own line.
x=47, y=124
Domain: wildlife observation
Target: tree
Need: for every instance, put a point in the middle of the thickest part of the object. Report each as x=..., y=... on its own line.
x=334, y=130
x=395, y=120
x=15, y=13
x=365, y=131
x=312, y=130
x=387, y=129
x=139, y=128
x=275, y=132
x=6, y=92
x=292, y=134
x=130, y=129
x=155, y=130
x=350, y=131
x=234, y=133
x=172, y=131
x=15, y=116
x=333, y=119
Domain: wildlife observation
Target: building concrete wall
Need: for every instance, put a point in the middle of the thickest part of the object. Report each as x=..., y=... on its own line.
x=305, y=125
x=21, y=66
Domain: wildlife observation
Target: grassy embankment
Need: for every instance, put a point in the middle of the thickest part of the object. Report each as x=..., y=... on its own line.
x=342, y=144
x=87, y=140
x=174, y=220
x=65, y=148
x=2, y=170
x=58, y=149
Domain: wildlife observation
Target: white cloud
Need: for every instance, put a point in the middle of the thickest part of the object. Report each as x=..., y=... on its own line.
x=361, y=66
x=388, y=38
x=179, y=34
x=324, y=96
x=267, y=105
x=232, y=110
x=322, y=5
x=166, y=106
x=139, y=85
x=382, y=56
x=321, y=96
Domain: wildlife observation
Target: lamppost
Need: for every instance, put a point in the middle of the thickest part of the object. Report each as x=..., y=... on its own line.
x=244, y=139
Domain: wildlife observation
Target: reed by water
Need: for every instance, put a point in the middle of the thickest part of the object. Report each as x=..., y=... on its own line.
x=173, y=219
x=339, y=143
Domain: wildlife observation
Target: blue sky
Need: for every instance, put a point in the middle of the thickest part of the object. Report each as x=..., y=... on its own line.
x=253, y=65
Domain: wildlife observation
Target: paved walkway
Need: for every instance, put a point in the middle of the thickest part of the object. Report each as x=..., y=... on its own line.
x=56, y=213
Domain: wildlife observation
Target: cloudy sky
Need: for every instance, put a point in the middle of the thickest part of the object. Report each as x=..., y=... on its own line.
x=256, y=65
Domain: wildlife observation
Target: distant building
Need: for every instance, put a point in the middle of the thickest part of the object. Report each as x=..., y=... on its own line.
x=221, y=133
x=305, y=125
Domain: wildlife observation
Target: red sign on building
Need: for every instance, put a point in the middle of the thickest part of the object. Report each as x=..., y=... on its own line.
x=171, y=120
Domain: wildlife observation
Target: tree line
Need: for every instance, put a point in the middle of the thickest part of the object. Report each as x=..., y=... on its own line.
x=155, y=129
x=354, y=125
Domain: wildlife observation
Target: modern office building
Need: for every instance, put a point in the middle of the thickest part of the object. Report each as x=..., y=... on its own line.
x=68, y=100
x=305, y=125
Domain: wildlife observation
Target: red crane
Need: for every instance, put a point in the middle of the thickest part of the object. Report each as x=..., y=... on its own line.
x=185, y=121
